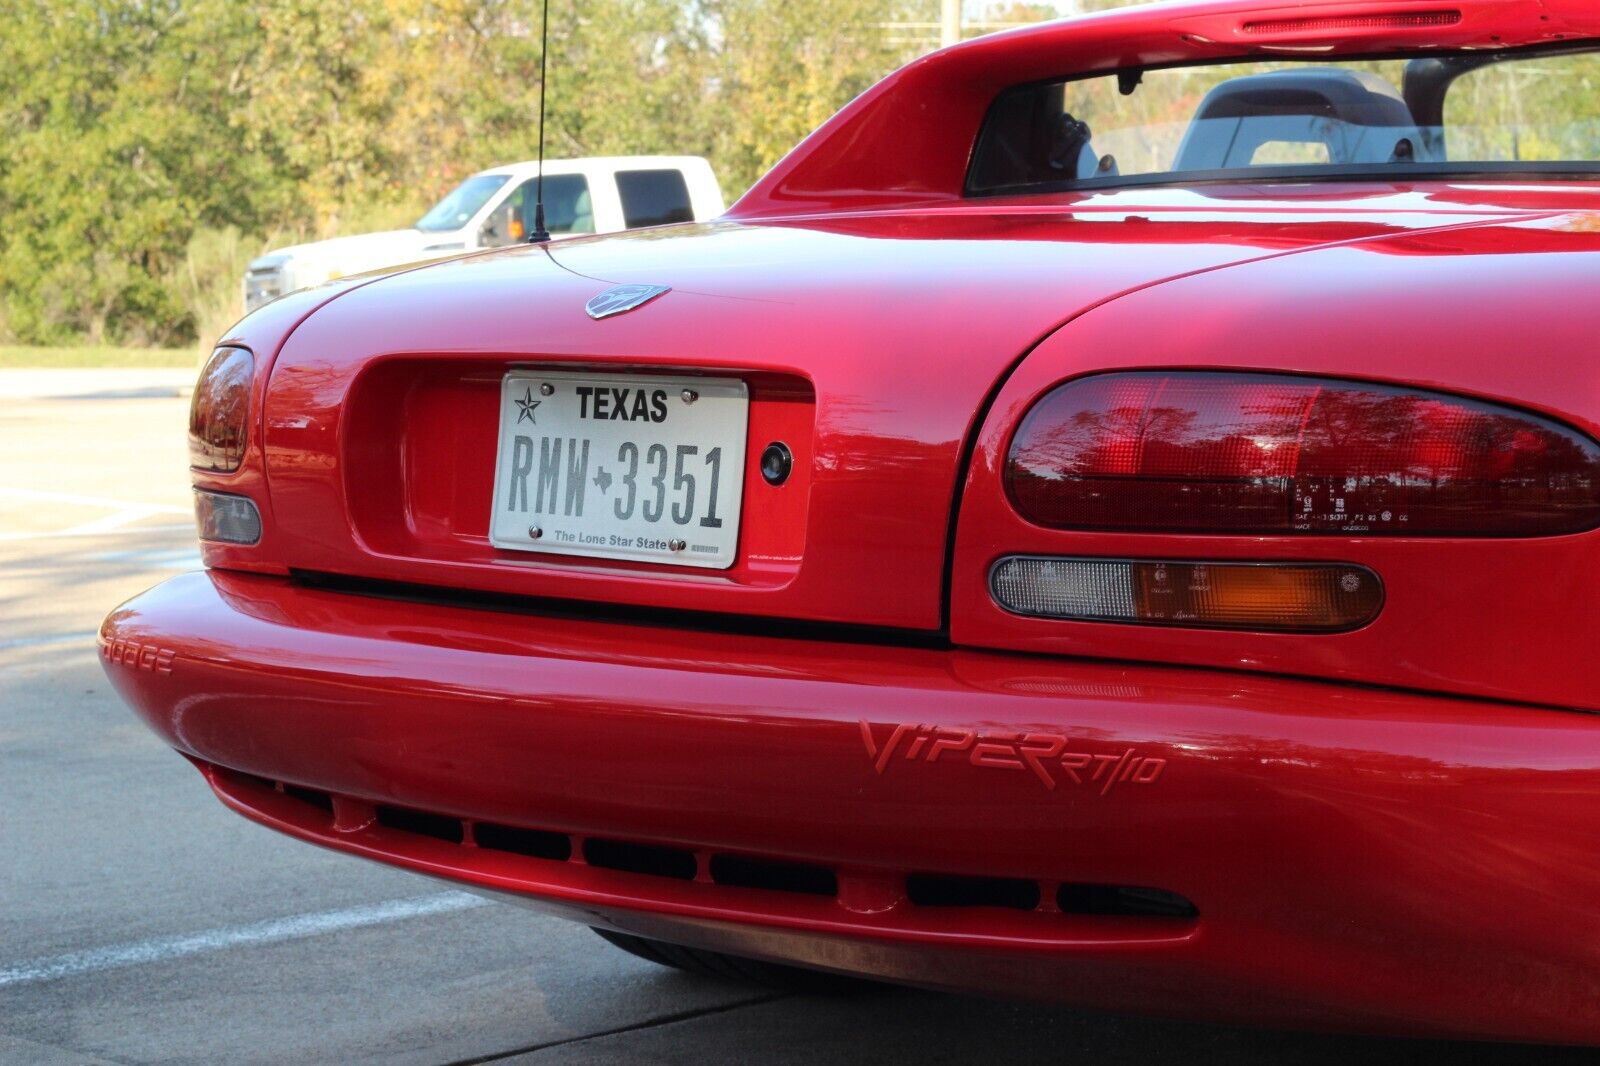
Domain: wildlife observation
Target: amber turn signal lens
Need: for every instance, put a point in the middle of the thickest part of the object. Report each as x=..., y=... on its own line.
x=1279, y=597
x=219, y=413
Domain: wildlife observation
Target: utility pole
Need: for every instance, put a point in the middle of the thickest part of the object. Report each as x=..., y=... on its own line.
x=949, y=22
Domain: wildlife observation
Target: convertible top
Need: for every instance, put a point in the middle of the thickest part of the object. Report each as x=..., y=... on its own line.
x=921, y=121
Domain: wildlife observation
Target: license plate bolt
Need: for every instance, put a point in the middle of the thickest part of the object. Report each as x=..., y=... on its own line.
x=546, y=389
x=677, y=545
x=534, y=532
x=689, y=395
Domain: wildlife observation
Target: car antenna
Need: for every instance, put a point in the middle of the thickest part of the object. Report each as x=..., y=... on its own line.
x=540, y=235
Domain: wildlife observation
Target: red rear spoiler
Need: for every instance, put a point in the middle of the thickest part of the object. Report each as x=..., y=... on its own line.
x=908, y=138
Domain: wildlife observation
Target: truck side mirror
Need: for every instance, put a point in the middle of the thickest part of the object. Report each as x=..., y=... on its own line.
x=502, y=227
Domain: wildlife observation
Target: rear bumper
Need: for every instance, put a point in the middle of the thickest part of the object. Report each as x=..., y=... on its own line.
x=1358, y=859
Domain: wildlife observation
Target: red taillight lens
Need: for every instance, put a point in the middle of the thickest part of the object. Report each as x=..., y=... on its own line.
x=219, y=413
x=1269, y=453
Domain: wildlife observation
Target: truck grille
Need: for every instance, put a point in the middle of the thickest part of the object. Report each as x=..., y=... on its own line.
x=263, y=285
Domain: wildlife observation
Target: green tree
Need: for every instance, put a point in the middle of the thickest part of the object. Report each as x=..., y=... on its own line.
x=116, y=150
x=153, y=145
x=782, y=67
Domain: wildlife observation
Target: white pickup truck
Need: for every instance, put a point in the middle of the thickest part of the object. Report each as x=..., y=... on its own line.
x=495, y=207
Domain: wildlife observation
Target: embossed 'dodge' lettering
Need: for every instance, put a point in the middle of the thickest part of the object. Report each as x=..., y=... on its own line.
x=139, y=656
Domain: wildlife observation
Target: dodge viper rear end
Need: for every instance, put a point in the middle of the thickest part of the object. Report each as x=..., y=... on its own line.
x=1112, y=518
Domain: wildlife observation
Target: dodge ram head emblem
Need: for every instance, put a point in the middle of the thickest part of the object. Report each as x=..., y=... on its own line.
x=622, y=298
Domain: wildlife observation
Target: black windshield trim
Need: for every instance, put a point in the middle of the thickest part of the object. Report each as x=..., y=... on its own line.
x=1387, y=174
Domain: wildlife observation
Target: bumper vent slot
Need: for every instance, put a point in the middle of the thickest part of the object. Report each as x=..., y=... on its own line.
x=1124, y=900
x=737, y=871
x=649, y=859
x=937, y=890
x=438, y=826
x=260, y=782
x=534, y=843
x=320, y=800
x=726, y=870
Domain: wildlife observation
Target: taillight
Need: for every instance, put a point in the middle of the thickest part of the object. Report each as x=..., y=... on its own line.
x=219, y=413
x=1278, y=454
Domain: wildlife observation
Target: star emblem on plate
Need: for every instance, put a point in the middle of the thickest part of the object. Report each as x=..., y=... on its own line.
x=527, y=405
x=603, y=479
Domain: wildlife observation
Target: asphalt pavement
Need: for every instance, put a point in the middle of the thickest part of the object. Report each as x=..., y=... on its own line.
x=140, y=922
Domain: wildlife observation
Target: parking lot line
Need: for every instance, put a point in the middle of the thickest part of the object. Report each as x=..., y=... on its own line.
x=46, y=496
x=47, y=640
x=124, y=513
x=271, y=931
x=187, y=558
x=10, y=538
x=114, y=521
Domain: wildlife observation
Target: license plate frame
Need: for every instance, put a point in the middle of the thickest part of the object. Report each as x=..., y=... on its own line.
x=700, y=426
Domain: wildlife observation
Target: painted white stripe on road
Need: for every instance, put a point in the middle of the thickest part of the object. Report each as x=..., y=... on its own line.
x=42, y=496
x=112, y=522
x=123, y=513
x=141, y=555
x=46, y=641
x=187, y=527
x=167, y=558
x=271, y=931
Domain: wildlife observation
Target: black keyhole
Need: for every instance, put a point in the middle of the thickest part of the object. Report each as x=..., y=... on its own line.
x=776, y=462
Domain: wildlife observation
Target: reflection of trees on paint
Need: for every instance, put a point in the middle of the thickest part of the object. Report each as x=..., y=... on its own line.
x=1200, y=442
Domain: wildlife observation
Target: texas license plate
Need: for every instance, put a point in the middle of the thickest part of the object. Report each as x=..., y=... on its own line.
x=639, y=467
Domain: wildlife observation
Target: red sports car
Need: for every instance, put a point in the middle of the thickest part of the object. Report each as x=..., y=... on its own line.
x=1113, y=517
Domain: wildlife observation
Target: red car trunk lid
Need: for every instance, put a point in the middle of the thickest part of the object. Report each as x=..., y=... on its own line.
x=869, y=343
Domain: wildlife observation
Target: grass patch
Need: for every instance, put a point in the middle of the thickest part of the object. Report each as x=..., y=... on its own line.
x=14, y=357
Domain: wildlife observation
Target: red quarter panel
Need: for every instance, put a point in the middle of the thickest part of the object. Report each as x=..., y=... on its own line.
x=1486, y=312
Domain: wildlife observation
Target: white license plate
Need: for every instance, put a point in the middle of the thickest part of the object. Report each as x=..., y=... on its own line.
x=623, y=467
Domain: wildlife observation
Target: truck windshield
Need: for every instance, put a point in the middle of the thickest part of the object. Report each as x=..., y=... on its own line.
x=1522, y=113
x=457, y=209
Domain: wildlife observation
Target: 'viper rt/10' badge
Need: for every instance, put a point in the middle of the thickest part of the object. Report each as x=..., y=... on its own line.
x=1048, y=755
x=623, y=298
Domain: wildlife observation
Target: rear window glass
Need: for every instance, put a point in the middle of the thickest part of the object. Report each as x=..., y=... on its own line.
x=1470, y=113
x=654, y=197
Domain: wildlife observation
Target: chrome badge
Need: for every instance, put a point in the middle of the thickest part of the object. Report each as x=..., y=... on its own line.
x=622, y=298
